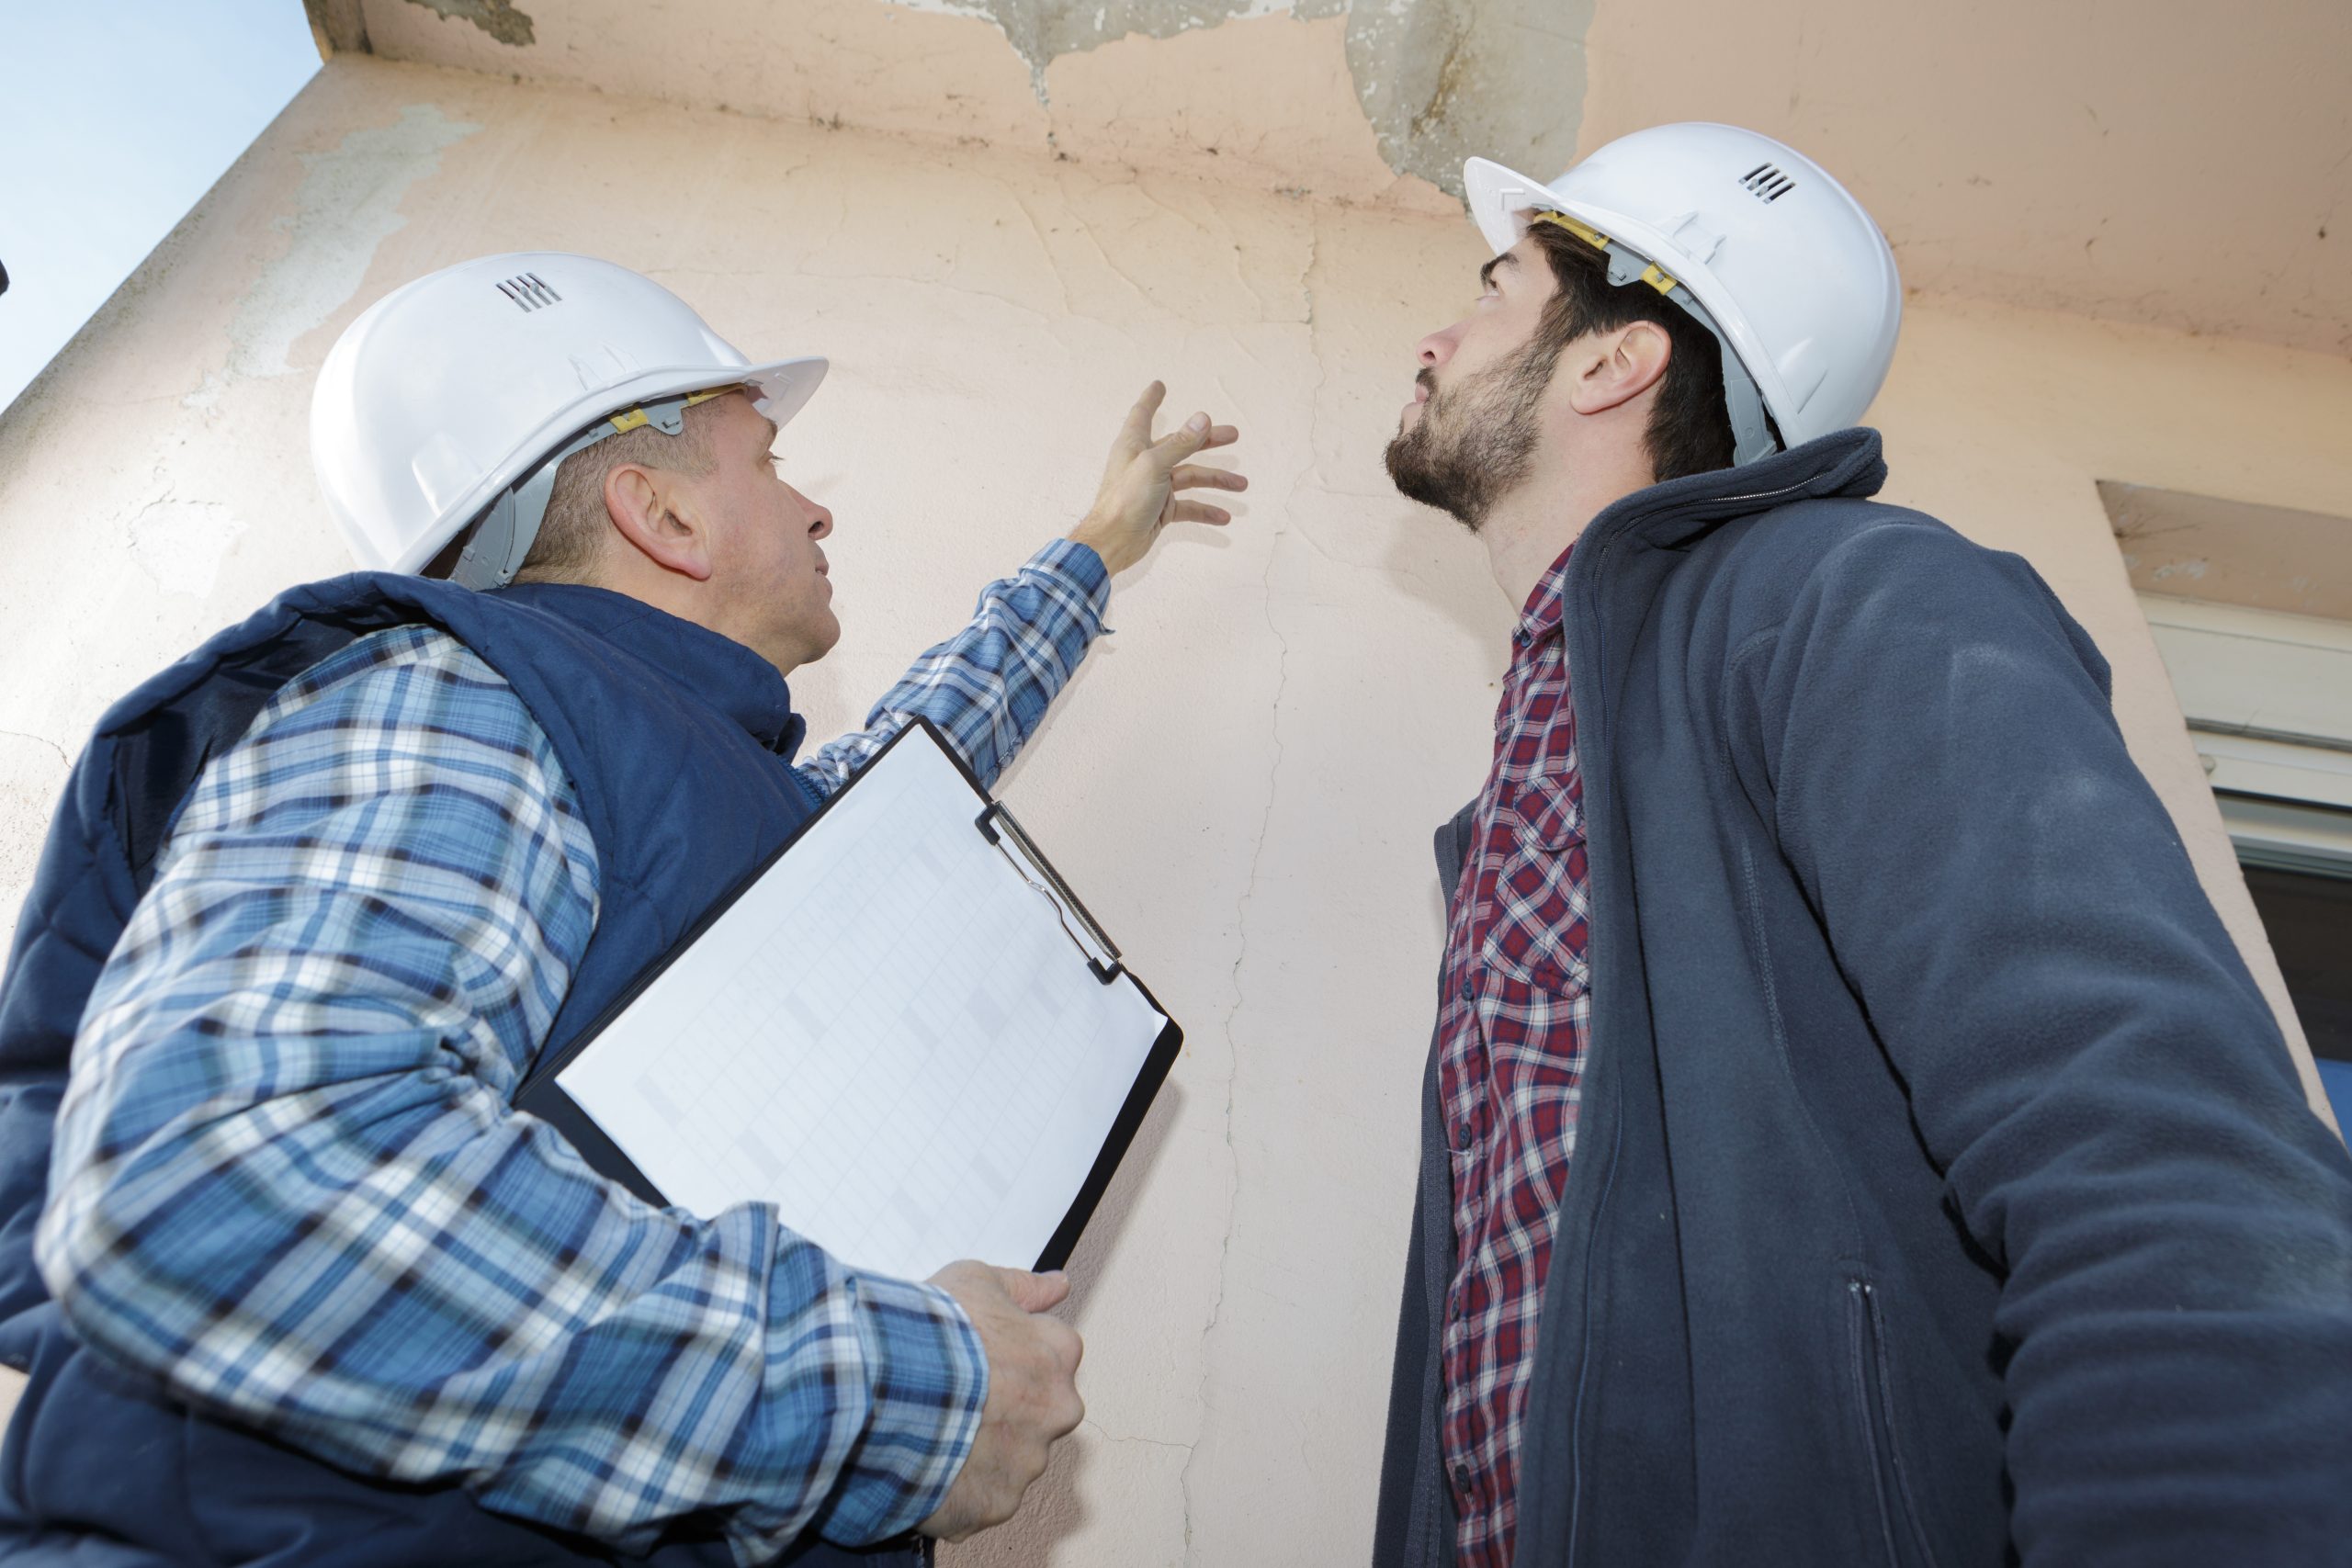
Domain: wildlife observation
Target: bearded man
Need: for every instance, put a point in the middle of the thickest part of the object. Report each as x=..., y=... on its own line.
x=1849, y=1136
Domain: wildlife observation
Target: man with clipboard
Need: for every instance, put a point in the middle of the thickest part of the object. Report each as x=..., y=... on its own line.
x=303, y=1287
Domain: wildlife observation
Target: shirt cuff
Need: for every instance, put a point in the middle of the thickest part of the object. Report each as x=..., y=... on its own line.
x=927, y=1382
x=1076, y=566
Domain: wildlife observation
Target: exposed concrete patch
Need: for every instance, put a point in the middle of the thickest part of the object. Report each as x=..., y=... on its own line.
x=1444, y=80
x=498, y=19
x=1439, y=80
x=349, y=204
x=181, y=543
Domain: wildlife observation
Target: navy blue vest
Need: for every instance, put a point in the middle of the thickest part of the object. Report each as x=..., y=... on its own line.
x=692, y=733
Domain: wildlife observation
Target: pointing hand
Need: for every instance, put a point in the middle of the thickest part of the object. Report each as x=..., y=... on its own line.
x=1143, y=482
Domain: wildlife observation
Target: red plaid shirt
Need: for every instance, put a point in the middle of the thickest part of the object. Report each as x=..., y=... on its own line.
x=1512, y=1032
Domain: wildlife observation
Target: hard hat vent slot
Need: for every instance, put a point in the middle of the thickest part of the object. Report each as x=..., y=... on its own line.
x=530, y=292
x=1766, y=183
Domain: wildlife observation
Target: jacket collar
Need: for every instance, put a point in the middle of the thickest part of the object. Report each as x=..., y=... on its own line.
x=715, y=669
x=1843, y=463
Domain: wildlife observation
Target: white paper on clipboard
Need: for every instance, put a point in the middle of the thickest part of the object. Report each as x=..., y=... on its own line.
x=890, y=1036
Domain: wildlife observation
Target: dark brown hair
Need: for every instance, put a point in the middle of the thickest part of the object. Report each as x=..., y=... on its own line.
x=1690, y=429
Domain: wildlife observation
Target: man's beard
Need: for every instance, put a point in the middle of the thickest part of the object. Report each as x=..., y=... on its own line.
x=1475, y=440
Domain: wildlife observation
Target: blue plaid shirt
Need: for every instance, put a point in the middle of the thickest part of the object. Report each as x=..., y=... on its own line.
x=288, y=1180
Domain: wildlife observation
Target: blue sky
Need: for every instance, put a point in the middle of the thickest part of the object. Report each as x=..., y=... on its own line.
x=117, y=116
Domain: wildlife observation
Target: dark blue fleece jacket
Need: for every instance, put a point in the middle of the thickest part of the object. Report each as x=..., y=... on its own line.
x=1943, y=1192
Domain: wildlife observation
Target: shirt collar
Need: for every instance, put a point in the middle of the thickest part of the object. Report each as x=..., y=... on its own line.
x=1540, y=617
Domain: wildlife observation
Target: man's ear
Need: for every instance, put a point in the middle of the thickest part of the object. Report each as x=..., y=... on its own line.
x=1614, y=367
x=654, y=517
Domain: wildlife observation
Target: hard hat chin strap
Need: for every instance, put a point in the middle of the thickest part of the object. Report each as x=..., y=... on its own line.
x=1751, y=431
x=501, y=540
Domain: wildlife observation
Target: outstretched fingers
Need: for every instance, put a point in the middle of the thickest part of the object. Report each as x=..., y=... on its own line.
x=1136, y=433
x=1195, y=476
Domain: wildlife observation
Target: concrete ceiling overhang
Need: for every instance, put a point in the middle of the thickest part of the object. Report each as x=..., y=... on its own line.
x=2175, y=165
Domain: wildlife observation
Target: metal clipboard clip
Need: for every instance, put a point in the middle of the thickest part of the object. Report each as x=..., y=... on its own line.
x=1018, y=848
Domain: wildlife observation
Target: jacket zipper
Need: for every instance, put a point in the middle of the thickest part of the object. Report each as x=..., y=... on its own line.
x=1861, y=1342
x=1874, y=1397
x=1592, y=736
x=1596, y=732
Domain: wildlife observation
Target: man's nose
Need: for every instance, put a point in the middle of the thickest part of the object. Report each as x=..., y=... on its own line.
x=1438, y=348
x=821, y=520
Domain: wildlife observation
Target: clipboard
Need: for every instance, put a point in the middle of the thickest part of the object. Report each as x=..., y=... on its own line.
x=1053, y=944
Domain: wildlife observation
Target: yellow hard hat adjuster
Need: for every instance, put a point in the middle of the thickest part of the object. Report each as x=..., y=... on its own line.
x=638, y=418
x=1651, y=272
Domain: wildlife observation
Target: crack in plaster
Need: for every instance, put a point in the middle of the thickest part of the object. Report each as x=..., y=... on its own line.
x=1107, y=1434
x=37, y=740
x=181, y=543
x=1222, y=235
x=348, y=204
x=1086, y=229
x=1249, y=886
x=1037, y=232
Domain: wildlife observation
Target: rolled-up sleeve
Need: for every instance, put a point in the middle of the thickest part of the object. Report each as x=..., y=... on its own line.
x=989, y=687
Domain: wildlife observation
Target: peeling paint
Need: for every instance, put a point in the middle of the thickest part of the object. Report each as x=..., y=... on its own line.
x=1445, y=79
x=1439, y=80
x=348, y=206
x=498, y=19
x=1042, y=31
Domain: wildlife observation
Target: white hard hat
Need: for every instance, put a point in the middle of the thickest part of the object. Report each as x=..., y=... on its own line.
x=455, y=397
x=1781, y=264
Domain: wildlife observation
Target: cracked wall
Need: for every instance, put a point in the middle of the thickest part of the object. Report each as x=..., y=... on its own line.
x=1435, y=80
x=1385, y=98
x=1244, y=778
x=2012, y=152
x=1438, y=81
